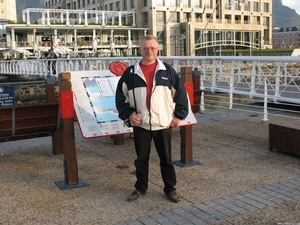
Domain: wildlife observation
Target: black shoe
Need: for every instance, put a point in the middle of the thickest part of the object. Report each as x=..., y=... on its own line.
x=134, y=196
x=173, y=196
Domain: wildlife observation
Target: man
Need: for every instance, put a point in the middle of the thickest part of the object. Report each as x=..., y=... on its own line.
x=52, y=63
x=152, y=96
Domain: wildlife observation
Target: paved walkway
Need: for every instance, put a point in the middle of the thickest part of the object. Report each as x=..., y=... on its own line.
x=219, y=209
x=239, y=181
x=229, y=206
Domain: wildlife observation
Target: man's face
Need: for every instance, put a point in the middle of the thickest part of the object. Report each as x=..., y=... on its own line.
x=149, y=51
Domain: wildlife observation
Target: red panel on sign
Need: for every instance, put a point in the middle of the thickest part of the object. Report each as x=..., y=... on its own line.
x=189, y=86
x=66, y=104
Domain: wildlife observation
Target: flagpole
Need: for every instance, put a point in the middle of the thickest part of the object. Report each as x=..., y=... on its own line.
x=250, y=37
x=249, y=23
x=220, y=34
x=234, y=41
x=205, y=25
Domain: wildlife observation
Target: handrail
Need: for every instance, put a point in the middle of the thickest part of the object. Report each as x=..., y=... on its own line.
x=274, y=79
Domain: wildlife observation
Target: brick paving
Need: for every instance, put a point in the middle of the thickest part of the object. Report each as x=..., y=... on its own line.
x=225, y=207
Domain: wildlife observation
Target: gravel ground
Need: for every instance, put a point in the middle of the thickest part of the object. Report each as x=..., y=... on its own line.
x=232, y=147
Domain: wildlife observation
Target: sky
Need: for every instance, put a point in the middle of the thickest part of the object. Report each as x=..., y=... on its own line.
x=293, y=4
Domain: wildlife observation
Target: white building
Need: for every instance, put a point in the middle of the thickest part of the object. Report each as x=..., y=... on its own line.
x=91, y=30
x=8, y=10
x=8, y=13
x=183, y=27
x=186, y=27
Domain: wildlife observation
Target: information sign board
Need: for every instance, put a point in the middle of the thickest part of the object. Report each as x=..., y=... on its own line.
x=6, y=95
x=94, y=104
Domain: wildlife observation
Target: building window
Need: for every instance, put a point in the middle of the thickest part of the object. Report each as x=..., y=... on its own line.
x=160, y=2
x=160, y=17
x=197, y=3
x=125, y=4
x=255, y=6
x=172, y=2
x=117, y=6
x=207, y=4
x=145, y=2
x=175, y=18
x=185, y=3
x=266, y=7
x=145, y=18
x=160, y=38
x=132, y=4
x=237, y=5
x=111, y=7
x=247, y=7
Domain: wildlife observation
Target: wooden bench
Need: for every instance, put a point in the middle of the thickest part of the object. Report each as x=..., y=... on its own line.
x=284, y=136
x=32, y=121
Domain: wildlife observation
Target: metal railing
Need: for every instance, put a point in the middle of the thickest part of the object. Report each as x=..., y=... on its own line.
x=261, y=79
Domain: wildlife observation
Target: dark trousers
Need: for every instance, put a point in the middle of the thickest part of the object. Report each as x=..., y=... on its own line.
x=52, y=66
x=162, y=141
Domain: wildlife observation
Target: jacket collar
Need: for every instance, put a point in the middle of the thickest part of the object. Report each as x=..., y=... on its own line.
x=137, y=68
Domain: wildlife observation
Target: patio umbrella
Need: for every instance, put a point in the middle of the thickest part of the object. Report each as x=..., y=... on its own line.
x=10, y=51
x=86, y=51
x=62, y=50
x=24, y=51
x=44, y=49
x=105, y=51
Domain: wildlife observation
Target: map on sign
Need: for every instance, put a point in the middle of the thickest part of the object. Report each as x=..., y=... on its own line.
x=101, y=93
x=94, y=103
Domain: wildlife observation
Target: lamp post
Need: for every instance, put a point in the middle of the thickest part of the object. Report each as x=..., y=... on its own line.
x=260, y=50
x=51, y=38
x=260, y=53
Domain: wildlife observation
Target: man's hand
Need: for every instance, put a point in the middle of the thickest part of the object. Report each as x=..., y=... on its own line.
x=175, y=122
x=134, y=120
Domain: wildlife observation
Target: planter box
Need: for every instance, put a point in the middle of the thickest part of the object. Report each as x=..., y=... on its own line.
x=284, y=136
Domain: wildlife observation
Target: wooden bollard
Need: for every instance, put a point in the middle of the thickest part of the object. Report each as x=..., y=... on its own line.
x=67, y=114
x=57, y=148
x=186, y=147
x=197, y=92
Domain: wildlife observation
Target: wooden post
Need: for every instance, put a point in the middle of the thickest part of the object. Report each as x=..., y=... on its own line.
x=67, y=120
x=186, y=147
x=50, y=90
x=197, y=92
x=57, y=148
x=67, y=114
x=119, y=140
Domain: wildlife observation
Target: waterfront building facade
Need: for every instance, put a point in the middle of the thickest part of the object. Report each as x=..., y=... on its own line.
x=189, y=27
x=183, y=27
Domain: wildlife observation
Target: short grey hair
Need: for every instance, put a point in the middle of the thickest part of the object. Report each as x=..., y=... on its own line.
x=148, y=37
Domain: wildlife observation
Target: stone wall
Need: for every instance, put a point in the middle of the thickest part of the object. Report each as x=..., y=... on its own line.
x=30, y=94
x=28, y=90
